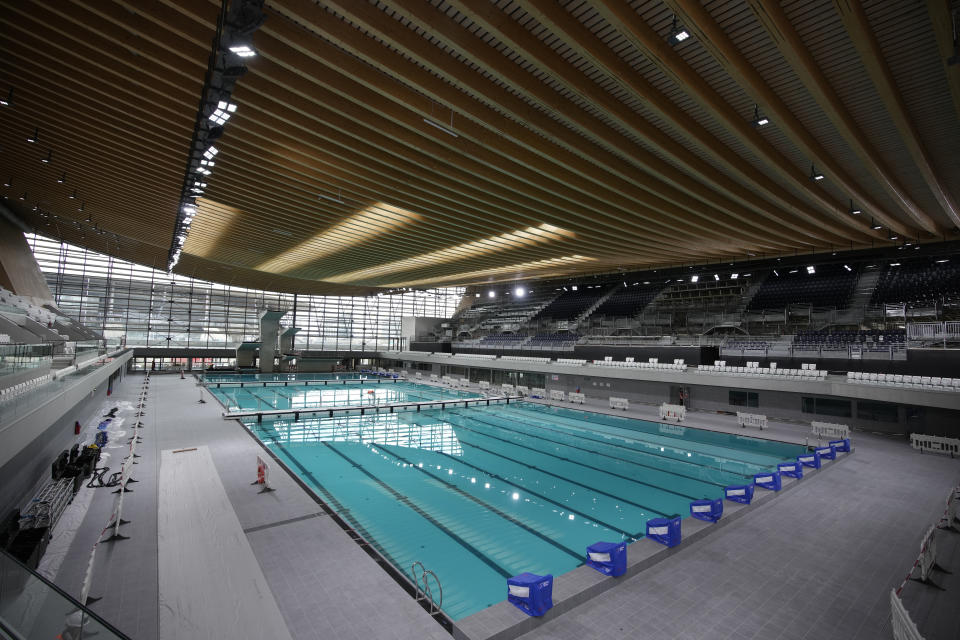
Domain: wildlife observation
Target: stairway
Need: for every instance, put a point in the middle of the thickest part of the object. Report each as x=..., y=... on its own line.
x=866, y=284
x=599, y=301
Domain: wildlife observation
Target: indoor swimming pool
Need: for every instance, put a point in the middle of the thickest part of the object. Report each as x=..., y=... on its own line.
x=326, y=396
x=484, y=493
x=280, y=377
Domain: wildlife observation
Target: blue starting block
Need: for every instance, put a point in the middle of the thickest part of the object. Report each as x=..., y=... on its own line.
x=609, y=558
x=810, y=460
x=707, y=510
x=664, y=530
x=827, y=453
x=103, y=425
x=770, y=480
x=841, y=445
x=531, y=593
x=791, y=469
x=742, y=493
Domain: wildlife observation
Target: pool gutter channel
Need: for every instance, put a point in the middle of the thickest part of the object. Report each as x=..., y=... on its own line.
x=503, y=621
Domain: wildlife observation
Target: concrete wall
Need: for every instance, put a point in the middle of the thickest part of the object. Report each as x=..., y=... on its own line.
x=19, y=271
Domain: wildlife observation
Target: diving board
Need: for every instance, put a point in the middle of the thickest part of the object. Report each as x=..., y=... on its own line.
x=367, y=409
x=210, y=583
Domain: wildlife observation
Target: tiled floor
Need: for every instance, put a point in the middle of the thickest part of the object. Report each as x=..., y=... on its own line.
x=818, y=563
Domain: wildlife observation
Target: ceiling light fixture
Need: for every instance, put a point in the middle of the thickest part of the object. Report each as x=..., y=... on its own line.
x=847, y=267
x=811, y=269
x=8, y=182
x=734, y=276
x=759, y=120
x=243, y=50
x=694, y=279
x=876, y=226
x=6, y=102
x=854, y=211
x=491, y=294
x=83, y=205
x=62, y=178
x=716, y=276
x=35, y=136
x=447, y=130
x=677, y=33
x=892, y=235
x=815, y=175
x=222, y=113
x=49, y=157
x=73, y=196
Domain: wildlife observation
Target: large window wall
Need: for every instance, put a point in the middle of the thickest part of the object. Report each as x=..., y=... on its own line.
x=141, y=306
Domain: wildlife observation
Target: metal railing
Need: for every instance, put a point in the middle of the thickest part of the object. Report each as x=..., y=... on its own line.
x=33, y=607
x=423, y=590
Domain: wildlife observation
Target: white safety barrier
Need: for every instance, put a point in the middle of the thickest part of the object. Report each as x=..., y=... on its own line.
x=447, y=380
x=538, y=392
x=937, y=444
x=751, y=420
x=508, y=389
x=673, y=412
x=484, y=384
x=557, y=395
x=928, y=553
x=419, y=374
x=830, y=430
x=576, y=398
x=434, y=377
x=903, y=627
x=619, y=403
x=523, y=390
x=464, y=382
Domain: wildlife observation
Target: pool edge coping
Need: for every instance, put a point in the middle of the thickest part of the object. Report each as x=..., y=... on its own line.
x=503, y=621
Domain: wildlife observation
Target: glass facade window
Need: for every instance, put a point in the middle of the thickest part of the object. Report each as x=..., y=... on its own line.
x=827, y=407
x=140, y=306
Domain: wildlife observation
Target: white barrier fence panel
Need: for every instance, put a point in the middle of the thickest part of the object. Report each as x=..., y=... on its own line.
x=830, y=430
x=619, y=403
x=577, y=398
x=902, y=626
x=434, y=377
x=751, y=420
x=557, y=395
x=484, y=384
x=673, y=412
x=523, y=390
x=464, y=382
x=538, y=392
x=419, y=374
x=936, y=444
x=447, y=380
x=508, y=389
x=928, y=553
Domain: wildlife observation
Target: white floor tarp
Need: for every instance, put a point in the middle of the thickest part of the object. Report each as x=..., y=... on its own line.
x=211, y=586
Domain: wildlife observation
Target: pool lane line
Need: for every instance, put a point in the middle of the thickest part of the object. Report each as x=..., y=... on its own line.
x=402, y=499
x=584, y=464
x=464, y=443
x=637, y=440
x=609, y=444
x=485, y=505
x=774, y=457
x=502, y=479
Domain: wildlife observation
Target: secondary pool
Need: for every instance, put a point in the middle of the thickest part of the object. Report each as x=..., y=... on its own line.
x=481, y=494
x=352, y=393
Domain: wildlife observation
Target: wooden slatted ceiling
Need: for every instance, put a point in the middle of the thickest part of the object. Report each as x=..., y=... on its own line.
x=584, y=143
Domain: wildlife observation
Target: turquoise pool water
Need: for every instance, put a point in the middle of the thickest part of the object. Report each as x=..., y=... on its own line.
x=319, y=396
x=480, y=494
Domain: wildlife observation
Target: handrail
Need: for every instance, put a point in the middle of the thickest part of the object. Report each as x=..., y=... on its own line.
x=88, y=615
x=426, y=593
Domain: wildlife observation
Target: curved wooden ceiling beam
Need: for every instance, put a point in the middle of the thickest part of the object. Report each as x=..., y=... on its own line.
x=855, y=21
x=791, y=47
x=588, y=46
x=404, y=153
x=414, y=137
x=941, y=20
x=713, y=39
x=414, y=46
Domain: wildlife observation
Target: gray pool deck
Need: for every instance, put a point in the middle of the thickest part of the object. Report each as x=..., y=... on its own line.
x=817, y=561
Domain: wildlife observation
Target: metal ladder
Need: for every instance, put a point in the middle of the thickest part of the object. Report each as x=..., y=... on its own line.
x=423, y=590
